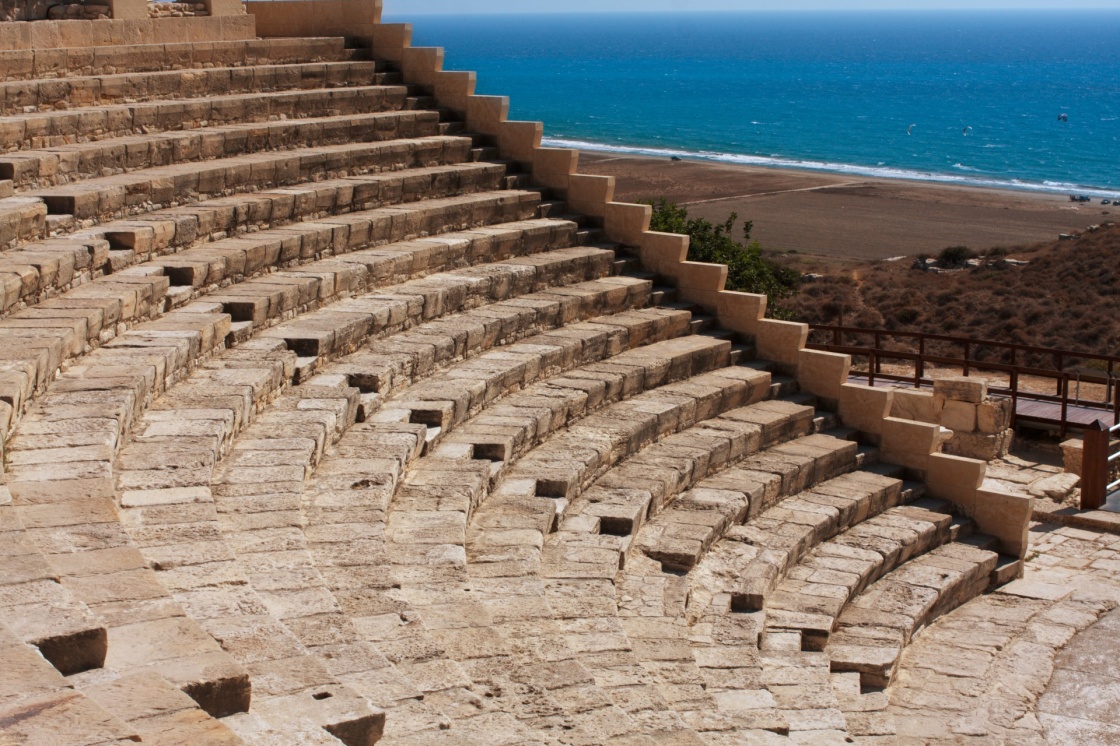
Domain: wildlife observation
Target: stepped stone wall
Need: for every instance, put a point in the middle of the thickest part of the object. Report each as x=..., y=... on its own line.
x=336, y=409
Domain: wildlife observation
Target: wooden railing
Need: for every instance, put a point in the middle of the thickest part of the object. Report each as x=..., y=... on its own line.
x=1100, y=465
x=1075, y=374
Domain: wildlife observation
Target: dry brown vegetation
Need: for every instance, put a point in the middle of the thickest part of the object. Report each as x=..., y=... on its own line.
x=1066, y=296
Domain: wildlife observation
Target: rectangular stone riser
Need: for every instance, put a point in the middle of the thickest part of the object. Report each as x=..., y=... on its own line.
x=52, y=129
x=20, y=97
x=143, y=192
x=108, y=60
x=66, y=164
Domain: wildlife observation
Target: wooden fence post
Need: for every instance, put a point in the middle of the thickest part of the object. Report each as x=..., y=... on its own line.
x=1094, y=466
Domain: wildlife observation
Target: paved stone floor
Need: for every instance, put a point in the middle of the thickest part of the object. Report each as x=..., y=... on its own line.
x=979, y=674
x=1082, y=702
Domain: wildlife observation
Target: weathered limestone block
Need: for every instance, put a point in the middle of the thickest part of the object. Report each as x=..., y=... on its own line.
x=865, y=407
x=781, y=341
x=959, y=416
x=1006, y=517
x=917, y=405
x=590, y=194
x=993, y=416
x=1073, y=451
x=910, y=444
x=980, y=445
x=823, y=374
x=626, y=223
x=737, y=311
x=962, y=388
x=553, y=167
x=956, y=479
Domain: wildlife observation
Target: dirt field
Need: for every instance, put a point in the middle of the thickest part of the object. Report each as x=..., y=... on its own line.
x=841, y=217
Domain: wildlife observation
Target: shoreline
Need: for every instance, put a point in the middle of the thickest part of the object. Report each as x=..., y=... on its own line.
x=849, y=217
x=845, y=170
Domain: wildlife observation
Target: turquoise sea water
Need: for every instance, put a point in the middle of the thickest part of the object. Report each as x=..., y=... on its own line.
x=831, y=91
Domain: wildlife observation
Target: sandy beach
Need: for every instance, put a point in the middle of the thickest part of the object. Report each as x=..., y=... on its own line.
x=842, y=217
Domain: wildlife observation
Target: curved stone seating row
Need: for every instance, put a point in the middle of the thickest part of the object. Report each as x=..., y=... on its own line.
x=444, y=173
x=793, y=518
x=74, y=91
x=807, y=601
x=137, y=58
x=53, y=128
x=201, y=264
x=876, y=625
x=64, y=164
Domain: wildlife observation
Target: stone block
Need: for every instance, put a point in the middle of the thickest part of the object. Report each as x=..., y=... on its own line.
x=959, y=416
x=737, y=311
x=485, y=114
x=553, y=167
x=962, y=388
x=132, y=9
x=993, y=416
x=917, y=405
x=625, y=223
x=1006, y=517
x=1073, y=451
x=910, y=444
x=865, y=407
x=781, y=341
x=981, y=446
x=823, y=373
x=955, y=479
x=663, y=253
x=701, y=283
x=590, y=194
x=518, y=140
x=390, y=40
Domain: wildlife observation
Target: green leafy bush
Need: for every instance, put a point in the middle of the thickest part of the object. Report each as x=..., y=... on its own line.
x=748, y=270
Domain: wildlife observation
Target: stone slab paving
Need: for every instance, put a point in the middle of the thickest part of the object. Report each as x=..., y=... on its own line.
x=1082, y=703
x=981, y=673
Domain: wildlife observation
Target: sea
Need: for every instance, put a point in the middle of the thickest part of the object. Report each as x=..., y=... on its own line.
x=1025, y=99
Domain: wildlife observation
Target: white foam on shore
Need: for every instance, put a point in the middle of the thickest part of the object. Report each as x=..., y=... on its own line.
x=1049, y=187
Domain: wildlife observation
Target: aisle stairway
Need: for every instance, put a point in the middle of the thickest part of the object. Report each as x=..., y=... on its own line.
x=324, y=424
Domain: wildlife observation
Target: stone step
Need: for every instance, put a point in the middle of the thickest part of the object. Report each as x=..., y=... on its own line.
x=754, y=557
x=876, y=626
x=271, y=296
x=138, y=58
x=157, y=711
x=340, y=328
x=76, y=91
x=378, y=173
x=464, y=390
x=22, y=219
x=54, y=128
x=816, y=592
x=64, y=164
x=537, y=487
x=37, y=610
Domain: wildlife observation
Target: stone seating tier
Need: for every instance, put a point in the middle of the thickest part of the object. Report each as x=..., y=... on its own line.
x=333, y=413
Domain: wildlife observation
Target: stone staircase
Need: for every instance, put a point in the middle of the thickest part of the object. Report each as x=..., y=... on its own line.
x=325, y=422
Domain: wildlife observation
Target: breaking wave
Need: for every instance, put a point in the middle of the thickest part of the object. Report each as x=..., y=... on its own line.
x=876, y=172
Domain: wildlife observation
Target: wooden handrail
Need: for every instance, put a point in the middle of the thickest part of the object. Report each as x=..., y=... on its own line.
x=876, y=353
x=1097, y=465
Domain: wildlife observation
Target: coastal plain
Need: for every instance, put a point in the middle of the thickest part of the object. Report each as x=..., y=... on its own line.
x=844, y=217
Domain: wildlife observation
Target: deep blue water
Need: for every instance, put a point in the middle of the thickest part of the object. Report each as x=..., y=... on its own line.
x=833, y=91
